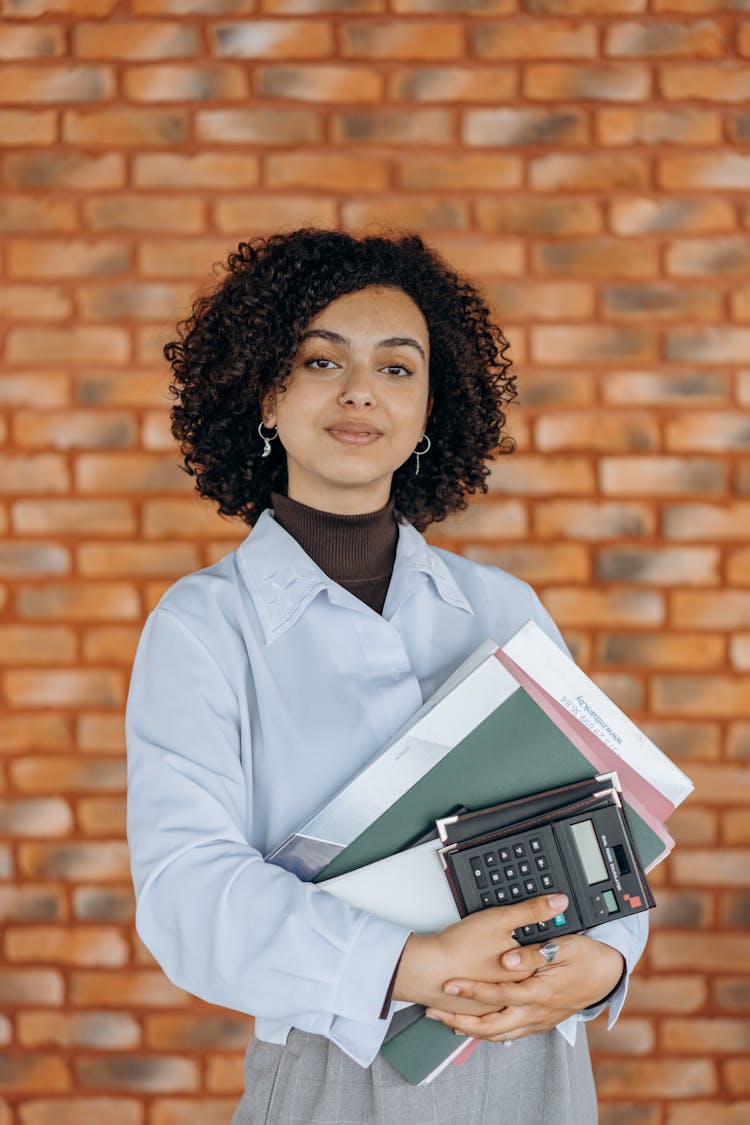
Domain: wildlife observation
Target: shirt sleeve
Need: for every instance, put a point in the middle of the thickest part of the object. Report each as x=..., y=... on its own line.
x=223, y=924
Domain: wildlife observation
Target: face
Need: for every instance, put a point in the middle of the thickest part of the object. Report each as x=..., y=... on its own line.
x=356, y=401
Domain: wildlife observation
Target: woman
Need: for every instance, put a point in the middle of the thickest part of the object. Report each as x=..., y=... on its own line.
x=338, y=394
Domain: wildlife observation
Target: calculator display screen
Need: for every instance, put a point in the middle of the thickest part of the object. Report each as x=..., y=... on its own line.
x=589, y=852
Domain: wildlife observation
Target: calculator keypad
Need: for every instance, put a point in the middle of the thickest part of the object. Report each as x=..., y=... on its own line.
x=511, y=872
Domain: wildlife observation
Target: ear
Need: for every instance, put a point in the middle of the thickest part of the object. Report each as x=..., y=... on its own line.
x=268, y=408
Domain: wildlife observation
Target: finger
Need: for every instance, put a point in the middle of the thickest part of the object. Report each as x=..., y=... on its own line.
x=531, y=958
x=492, y=1026
x=532, y=910
x=483, y=992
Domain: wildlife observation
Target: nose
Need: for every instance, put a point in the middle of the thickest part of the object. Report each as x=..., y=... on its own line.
x=358, y=390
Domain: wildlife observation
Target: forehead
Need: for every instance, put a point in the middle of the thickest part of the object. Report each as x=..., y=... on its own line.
x=374, y=311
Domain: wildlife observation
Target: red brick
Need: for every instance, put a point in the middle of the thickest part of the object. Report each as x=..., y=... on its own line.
x=572, y=344
x=184, y=519
x=585, y=7
x=424, y=127
x=685, y=566
x=99, y=733
x=628, y=1037
x=619, y=82
x=224, y=1074
x=743, y=386
x=96, y=861
x=34, y=302
x=401, y=39
x=654, y=650
x=708, y=345
x=534, y=39
x=677, y=125
x=29, y=126
x=707, y=522
x=531, y=475
x=35, y=818
x=173, y=82
x=150, y=340
x=656, y=1078
x=718, y=1113
x=65, y=774
x=738, y=567
x=38, y=903
x=460, y=172
x=149, y=213
x=535, y=301
x=429, y=7
x=155, y=1074
x=101, y=688
x=737, y=1076
x=20, y=732
x=36, y=644
x=21, y=559
x=37, y=987
x=199, y=170
x=127, y=988
x=697, y=39
x=59, y=517
x=725, y=609
x=566, y=562
x=42, y=472
x=111, y=644
x=31, y=41
x=279, y=39
x=130, y=300
x=179, y=257
x=192, y=7
x=332, y=83
x=732, y=994
x=710, y=432
x=311, y=170
x=453, y=84
x=693, y=825
x=409, y=213
x=480, y=256
x=662, y=299
x=85, y=946
x=34, y=1074
x=180, y=1111
x=730, y=170
x=725, y=81
x=79, y=344
x=132, y=559
x=30, y=9
x=739, y=300
x=606, y=432
x=272, y=212
x=80, y=1111
x=19, y=215
x=540, y=215
x=156, y=432
x=589, y=172
x=584, y=519
x=104, y=904
x=660, y=476
x=130, y=39
x=605, y=258
x=131, y=128
x=610, y=607
x=24, y=84
x=65, y=169
x=718, y=697
x=65, y=258
x=99, y=816
x=130, y=472
x=518, y=126
x=80, y=601
x=184, y=1032
x=73, y=429
x=691, y=867
x=652, y=216
x=740, y=652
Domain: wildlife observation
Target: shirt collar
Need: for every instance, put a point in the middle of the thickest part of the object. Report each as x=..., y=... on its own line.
x=282, y=580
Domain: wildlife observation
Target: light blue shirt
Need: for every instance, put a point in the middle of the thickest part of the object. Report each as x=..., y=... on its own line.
x=260, y=687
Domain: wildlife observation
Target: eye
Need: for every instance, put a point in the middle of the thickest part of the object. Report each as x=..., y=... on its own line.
x=400, y=370
x=320, y=363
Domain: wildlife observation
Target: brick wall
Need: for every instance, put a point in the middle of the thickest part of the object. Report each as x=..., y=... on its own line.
x=587, y=162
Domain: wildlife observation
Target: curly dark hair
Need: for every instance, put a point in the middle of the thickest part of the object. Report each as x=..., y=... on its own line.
x=241, y=339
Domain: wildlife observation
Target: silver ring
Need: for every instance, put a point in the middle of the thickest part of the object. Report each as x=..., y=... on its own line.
x=549, y=951
x=506, y=1041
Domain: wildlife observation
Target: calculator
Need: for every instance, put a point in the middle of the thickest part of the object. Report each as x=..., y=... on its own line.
x=574, y=840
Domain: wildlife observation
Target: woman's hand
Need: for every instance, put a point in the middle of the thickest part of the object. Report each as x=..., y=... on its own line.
x=583, y=973
x=470, y=950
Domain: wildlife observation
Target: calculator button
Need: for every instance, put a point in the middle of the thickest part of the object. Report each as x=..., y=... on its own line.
x=479, y=876
x=501, y=895
x=510, y=872
x=524, y=867
x=542, y=927
x=490, y=859
x=519, y=850
x=486, y=898
x=541, y=863
x=528, y=930
x=495, y=877
x=559, y=920
x=515, y=891
x=504, y=854
x=529, y=886
x=547, y=881
x=535, y=845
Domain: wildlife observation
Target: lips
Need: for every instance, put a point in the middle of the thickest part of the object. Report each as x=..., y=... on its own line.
x=354, y=433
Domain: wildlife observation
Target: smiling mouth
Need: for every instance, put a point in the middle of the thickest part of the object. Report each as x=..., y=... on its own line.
x=354, y=436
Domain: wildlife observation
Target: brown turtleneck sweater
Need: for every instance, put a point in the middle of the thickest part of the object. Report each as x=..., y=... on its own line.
x=357, y=552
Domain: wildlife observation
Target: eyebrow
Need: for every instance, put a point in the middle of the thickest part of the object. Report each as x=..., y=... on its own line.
x=390, y=342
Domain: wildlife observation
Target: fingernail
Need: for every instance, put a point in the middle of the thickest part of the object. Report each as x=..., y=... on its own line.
x=431, y=1015
x=453, y=989
x=512, y=960
x=557, y=902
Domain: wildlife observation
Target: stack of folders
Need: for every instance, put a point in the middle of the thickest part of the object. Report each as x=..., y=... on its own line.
x=511, y=723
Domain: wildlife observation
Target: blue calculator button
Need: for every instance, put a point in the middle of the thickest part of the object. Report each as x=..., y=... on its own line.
x=559, y=920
